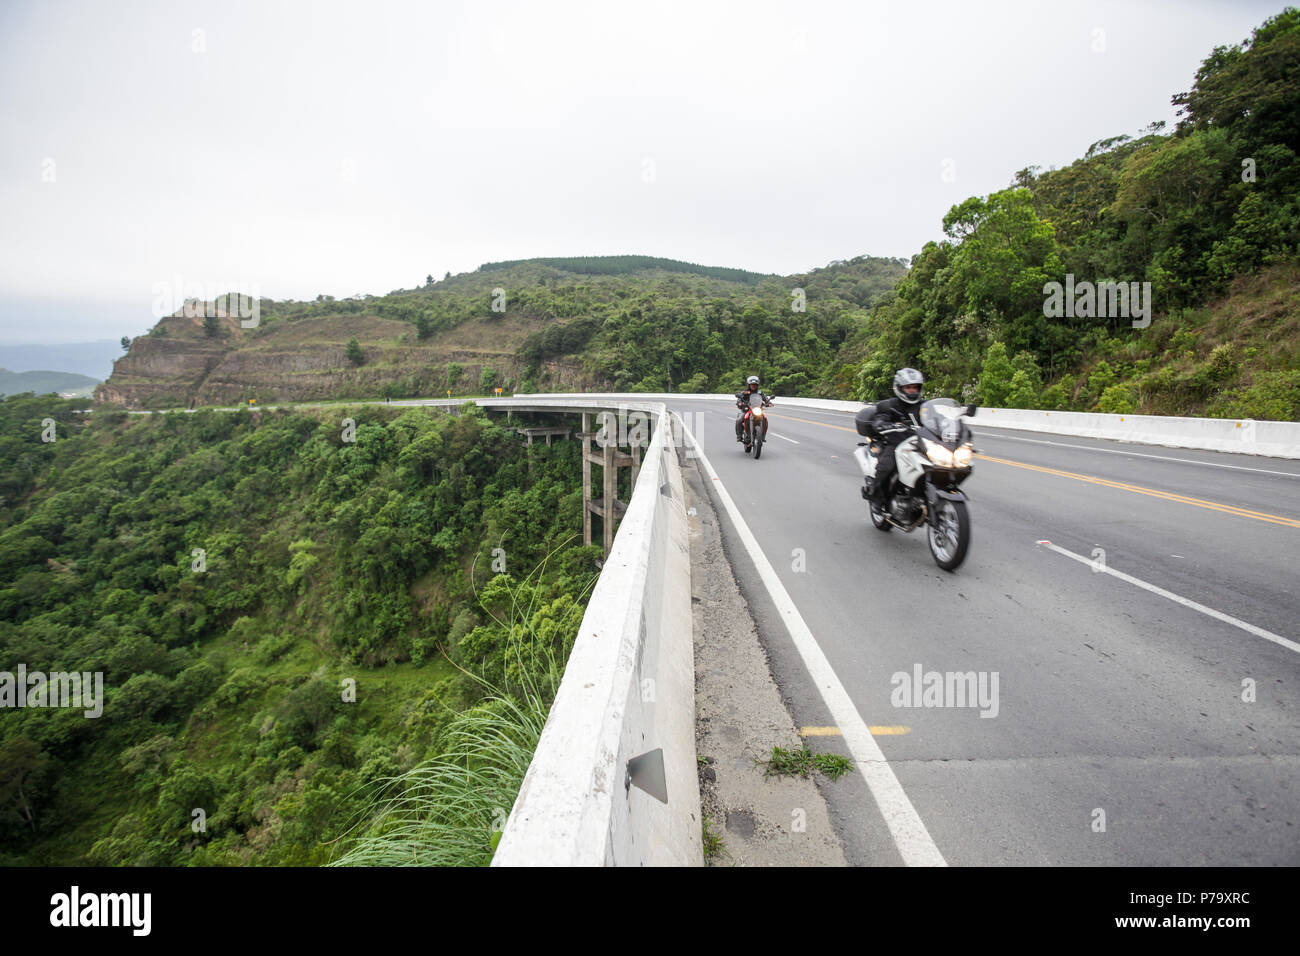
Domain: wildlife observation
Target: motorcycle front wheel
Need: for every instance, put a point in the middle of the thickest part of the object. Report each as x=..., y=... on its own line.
x=758, y=443
x=949, y=533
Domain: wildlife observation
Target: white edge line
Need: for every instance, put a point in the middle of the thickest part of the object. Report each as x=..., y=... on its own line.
x=1211, y=612
x=913, y=840
x=783, y=438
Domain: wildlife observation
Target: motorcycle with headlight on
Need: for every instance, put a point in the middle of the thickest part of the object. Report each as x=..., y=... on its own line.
x=753, y=426
x=932, y=464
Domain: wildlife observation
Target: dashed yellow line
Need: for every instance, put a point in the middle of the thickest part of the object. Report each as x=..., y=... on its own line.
x=883, y=731
x=1121, y=485
x=1152, y=492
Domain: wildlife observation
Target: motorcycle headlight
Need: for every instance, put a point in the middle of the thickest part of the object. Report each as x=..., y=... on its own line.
x=758, y=413
x=938, y=454
x=961, y=458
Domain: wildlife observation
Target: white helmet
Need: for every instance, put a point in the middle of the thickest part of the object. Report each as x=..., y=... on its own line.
x=909, y=376
x=752, y=380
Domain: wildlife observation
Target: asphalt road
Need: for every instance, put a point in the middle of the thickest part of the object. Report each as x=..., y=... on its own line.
x=1122, y=729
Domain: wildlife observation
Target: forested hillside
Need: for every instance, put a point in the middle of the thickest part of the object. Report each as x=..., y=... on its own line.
x=596, y=323
x=229, y=574
x=1208, y=214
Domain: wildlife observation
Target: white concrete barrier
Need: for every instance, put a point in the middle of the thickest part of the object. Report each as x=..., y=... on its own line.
x=628, y=689
x=1242, y=436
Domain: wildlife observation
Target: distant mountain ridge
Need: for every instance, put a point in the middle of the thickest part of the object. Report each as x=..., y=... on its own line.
x=42, y=382
x=83, y=358
x=626, y=265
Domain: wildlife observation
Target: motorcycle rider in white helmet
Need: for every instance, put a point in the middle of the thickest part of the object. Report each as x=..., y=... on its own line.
x=894, y=421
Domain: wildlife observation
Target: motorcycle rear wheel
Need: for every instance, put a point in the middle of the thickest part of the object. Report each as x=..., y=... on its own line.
x=878, y=520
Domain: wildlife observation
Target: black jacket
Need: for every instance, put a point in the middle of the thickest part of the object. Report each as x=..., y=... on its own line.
x=895, y=420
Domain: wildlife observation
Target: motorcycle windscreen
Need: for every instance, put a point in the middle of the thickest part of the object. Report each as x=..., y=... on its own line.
x=943, y=417
x=755, y=400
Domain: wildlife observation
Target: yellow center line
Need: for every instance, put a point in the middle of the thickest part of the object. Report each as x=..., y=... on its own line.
x=1121, y=485
x=881, y=731
x=1154, y=493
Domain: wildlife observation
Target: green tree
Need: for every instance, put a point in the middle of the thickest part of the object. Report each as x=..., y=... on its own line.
x=23, y=767
x=1026, y=382
x=1117, y=399
x=696, y=383
x=1005, y=257
x=995, y=380
x=1251, y=88
x=355, y=354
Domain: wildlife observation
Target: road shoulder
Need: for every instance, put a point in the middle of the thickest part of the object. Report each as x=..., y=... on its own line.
x=739, y=716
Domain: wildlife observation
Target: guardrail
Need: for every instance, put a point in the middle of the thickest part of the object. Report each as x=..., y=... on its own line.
x=1240, y=435
x=628, y=690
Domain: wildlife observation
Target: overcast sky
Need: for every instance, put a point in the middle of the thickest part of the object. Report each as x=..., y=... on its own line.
x=306, y=148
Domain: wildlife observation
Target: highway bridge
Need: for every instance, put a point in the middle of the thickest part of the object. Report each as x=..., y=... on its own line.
x=1131, y=607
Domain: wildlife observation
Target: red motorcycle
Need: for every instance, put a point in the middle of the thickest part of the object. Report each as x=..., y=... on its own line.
x=753, y=427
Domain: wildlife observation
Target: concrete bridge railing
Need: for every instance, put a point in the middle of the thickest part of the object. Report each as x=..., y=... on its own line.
x=628, y=691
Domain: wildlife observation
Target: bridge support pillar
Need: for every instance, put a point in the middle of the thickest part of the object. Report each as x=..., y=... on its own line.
x=610, y=459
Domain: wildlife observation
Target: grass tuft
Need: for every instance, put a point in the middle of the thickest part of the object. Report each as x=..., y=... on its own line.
x=803, y=762
x=713, y=845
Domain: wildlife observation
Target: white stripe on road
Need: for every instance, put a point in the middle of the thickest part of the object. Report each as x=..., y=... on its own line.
x=1211, y=612
x=783, y=438
x=911, y=837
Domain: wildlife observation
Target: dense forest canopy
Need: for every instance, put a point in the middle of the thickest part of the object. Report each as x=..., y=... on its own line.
x=228, y=573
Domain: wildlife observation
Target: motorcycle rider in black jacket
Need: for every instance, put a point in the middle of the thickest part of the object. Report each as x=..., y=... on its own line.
x=742, y=402
x=895, y=421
